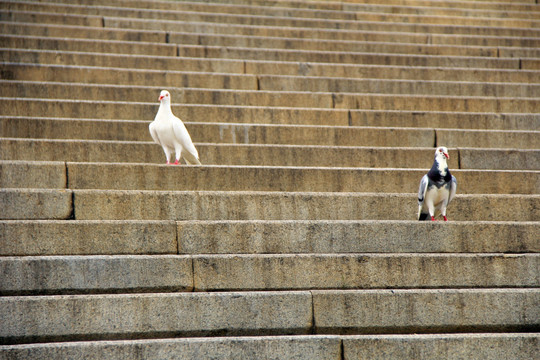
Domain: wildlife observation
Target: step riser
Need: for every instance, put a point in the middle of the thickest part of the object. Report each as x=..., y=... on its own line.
x=89, y=75
x=165, y=53
x=350, y=312
x=221, y=178
x=343, y=12
x=110, y=274
x=224, y=237
x=290, y=347
x=114, y=129
x=88, y=45
x=264, y=25
x=23, y=238
x=92, y=274
x=370, y=43
x=196, y=37
x=313, y=347
x=150, y=205
x=176, y=206
x=257, y=155
x=231, y=272
x=130, y=111
x=350, y=71
x=29, y=319
x=173, y=17
x=397, y=58
x=20, y=238
x=56, y=318
x=451, y=347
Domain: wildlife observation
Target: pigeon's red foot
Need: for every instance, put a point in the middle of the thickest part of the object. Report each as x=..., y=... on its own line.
x=433, y=218
x=445, y=219
x=176, y=162
x=168, y=163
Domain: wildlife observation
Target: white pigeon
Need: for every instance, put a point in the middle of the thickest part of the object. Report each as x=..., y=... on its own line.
x=170, y=132
x=437, y=188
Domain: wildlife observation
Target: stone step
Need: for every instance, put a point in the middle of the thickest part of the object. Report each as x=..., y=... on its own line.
x=171, y=51
x=61, y=204
x=86, y=317
x=277, y=26
x=88, y=45
x=65, y=81
x=371, y=42
x=352, y=12
x=107, y=109
x=73, y=237
x=192, y=35
x=351, y=4
x=40, y=275
x=115, y=176
x=230, y=237
x=93, y=237
x=351, y=71
x=379, y=55
x=107, y=128
x=308, y=51
x=333, y=6
x=266, y=155
x=518, y=346
x=485, y=346
x=272, y=17
x=290, y=135
x=292, y=29
x=381, y=311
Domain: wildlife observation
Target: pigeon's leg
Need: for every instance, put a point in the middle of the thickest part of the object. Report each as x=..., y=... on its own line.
x=431, y=209
x=167, y=155
x=443, y=210
x=178, y=151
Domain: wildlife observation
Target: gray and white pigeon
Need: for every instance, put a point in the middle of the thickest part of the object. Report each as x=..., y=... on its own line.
x=437, y=188
x=170, y=132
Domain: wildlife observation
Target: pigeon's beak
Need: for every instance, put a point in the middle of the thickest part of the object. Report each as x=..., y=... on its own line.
x=161, y=97
x=447, y=156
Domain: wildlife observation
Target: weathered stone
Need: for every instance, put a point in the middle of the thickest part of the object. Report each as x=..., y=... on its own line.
x=413, y=311
x=124, y=316
x=325, y=237
x=36, y=204
x=95, y=274
x=363, y=271
x=46, y=237
x=448, y=346
x=239, y=205
x=18, y=174
x=300, y=347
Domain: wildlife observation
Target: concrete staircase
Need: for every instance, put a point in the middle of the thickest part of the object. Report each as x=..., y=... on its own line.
x=297, y=238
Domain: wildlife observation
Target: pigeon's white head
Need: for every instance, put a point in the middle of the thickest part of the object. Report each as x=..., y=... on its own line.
x=165, y=97
x=442, y=153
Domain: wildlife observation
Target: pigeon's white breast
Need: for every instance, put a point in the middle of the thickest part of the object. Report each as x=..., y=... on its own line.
x=437, y=195
x=166, y=134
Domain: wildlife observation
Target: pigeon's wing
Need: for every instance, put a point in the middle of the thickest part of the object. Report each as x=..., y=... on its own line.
x=153, y=133
x=422, y=189
x=453, y=188
x=182, y=136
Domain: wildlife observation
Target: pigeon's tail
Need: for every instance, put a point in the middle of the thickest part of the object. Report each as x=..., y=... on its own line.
x=423, y=216
x=191, y=159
